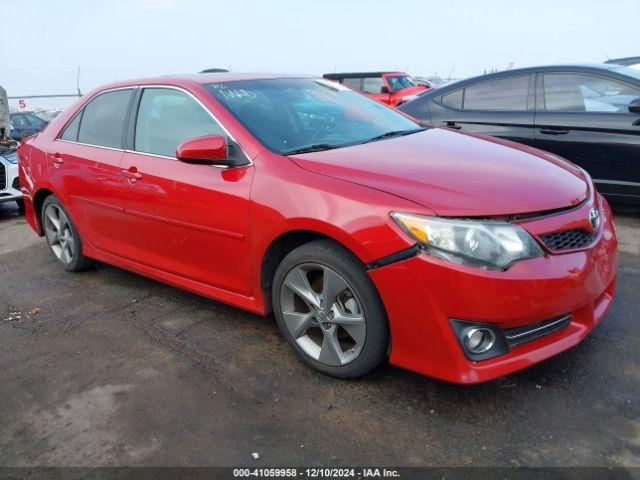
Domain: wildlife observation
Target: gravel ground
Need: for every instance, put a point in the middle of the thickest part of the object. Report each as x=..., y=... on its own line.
x=110, y=368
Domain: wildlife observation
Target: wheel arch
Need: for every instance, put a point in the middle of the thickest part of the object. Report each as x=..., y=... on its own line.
x=282, y=245
x=38, y=201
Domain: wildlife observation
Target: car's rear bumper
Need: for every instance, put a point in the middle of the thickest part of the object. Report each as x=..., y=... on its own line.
x=423, y=293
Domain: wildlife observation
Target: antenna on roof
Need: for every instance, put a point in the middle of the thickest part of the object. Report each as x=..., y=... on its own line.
x=451, y=72
x=78, y=82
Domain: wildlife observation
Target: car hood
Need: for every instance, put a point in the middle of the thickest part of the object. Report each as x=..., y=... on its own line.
x=413, y=90
x=457, y=174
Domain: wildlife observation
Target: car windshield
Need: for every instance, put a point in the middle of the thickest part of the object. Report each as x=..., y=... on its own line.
x=399, y=82
x=291, y=115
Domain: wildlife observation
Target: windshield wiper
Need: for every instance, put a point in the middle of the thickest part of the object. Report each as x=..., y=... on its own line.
x=394, y=133
x=318, y=147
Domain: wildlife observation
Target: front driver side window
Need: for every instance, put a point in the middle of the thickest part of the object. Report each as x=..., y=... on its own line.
x=373, y=85
x=587, y=93
x=168, y=117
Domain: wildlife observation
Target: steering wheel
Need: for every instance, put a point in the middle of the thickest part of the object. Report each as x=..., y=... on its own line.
x=323, y=129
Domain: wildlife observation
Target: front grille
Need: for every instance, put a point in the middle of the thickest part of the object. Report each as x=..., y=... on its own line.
x=3, y=177
x=516, y=336
x=568, y=240
x=16, y=183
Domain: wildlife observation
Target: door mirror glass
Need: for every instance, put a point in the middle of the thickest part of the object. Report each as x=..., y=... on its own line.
x=634, y=106
x=210, y=150
x=384, y=89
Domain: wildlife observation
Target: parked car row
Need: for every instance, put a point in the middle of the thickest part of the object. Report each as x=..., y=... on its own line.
x=391, y=88
x=371, y=237
x=24, y=124
x=588, y=114
x=632, y=62
x=9, y=181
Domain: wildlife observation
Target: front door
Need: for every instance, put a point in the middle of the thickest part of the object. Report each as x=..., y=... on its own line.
x=186, y=219
x=585, y=118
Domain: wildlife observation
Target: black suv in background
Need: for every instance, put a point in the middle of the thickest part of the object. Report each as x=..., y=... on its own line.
x=587, y=114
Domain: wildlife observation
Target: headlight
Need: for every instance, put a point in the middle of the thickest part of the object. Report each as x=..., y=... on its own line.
x=484, y=244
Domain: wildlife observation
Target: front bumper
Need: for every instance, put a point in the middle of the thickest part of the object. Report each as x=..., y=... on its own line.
x=423, y=293
x=9, y=183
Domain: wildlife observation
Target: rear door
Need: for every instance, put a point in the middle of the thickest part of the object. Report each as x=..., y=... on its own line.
x=501, y=107
x=186, y=219
x=585, y=118
x=84, y=166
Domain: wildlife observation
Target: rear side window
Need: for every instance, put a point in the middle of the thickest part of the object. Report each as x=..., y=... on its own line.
x=352, y=83
x=502, y=94
x=373, y=85
x=71, y=132
x=587, y=93
x=104, y=118
x=453, y=99
x=168, y=117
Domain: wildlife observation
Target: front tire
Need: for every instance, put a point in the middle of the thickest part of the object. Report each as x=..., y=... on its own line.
x=62, y=236
x=329, y=310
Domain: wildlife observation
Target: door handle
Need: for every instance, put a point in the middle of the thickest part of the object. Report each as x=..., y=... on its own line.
x=132, y=174
x=57, y=159
x=554, y=131
x=453, y=125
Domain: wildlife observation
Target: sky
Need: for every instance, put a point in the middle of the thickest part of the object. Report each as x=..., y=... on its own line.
x=48, y=40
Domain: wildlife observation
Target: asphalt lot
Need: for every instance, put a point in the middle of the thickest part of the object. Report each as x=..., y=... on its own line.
x=110, y=368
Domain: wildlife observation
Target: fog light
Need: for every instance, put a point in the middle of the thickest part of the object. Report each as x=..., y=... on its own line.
x=479, y=340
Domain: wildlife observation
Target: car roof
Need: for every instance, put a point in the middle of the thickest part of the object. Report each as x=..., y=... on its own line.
x=612, y=69
x=199, y=78
x=361, y=74
x=624, y=61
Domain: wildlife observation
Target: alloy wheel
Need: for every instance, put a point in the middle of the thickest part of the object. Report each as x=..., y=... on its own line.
x=323, y=314
x=59, y=233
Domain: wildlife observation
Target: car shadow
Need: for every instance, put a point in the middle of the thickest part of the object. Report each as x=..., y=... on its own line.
x=9, y=210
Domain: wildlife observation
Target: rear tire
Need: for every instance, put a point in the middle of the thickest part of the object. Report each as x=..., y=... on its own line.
x=20, y=203
x=62, y=236
x=329, y=310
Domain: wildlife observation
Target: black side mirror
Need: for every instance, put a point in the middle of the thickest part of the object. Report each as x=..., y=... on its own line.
x=634, y=106
x=384, y=90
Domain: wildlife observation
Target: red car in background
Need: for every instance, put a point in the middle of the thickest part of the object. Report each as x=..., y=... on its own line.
x=368, y=236
x=387, y=87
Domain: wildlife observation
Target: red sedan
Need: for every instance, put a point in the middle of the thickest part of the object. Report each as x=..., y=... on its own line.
x=368, y=236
